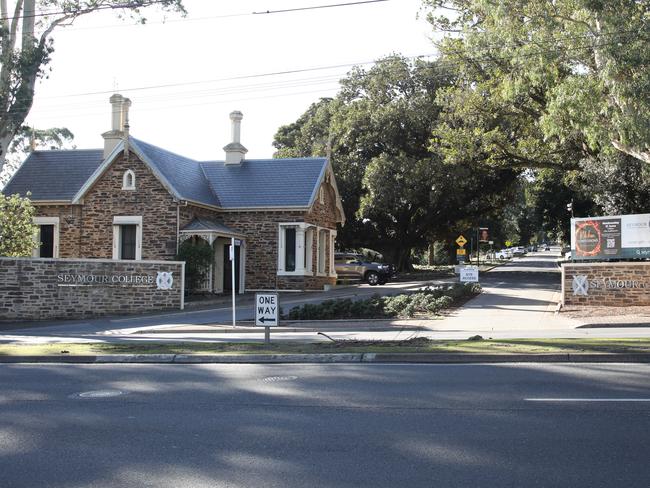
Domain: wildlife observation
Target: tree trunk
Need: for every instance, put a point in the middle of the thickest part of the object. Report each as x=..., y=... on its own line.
x=402, y=259
x=5, y=140
x=431, y=258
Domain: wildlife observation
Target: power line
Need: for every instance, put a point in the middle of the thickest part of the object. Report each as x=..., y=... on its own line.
x=198, y=104
x=127, y=6
x=347, y=4
x=230, y=78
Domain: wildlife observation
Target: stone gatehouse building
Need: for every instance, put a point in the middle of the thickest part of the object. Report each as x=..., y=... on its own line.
x=135, y=201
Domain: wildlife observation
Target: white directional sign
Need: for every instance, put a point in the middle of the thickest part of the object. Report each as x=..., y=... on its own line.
x=469, y=274
x=267, y=308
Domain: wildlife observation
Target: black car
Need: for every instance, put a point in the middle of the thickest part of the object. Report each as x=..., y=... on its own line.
x=357, y=266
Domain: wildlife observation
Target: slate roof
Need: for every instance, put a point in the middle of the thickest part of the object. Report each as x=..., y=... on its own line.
x=255, y=183
x=265, y=182
x=54, y=175
x=208, y=225
x=183, y=174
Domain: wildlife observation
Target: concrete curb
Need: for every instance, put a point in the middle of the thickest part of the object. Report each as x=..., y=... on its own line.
x=421, y=358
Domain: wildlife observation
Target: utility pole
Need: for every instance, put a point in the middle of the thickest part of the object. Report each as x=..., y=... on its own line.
x=478, y=247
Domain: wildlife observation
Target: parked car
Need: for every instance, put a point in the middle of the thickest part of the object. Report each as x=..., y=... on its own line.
x=518, y=251
x=357, y=266
x=503, y=254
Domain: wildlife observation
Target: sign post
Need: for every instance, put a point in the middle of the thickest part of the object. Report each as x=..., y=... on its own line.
x=232, y=277
x=267, y=307
x=460, y=253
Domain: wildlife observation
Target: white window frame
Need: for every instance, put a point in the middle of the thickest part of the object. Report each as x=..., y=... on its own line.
x=332, y=271
x=321, y=249
x=125, y=178
x=309, y=250
x=302, y=268
x=55, y=221
x=321, y=195
x=119, y=220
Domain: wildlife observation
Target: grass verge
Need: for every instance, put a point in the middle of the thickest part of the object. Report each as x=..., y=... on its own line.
x=418, y=345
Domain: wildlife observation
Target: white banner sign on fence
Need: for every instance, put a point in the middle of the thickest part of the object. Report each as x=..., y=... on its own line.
x=469, y=274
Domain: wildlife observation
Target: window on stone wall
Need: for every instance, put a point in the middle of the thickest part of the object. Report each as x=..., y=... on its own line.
x=46, y=243
x=294, y=249
x=128, y=234
x=290, y=249
x=46, y=249
x=128, y=180
x=127, y=237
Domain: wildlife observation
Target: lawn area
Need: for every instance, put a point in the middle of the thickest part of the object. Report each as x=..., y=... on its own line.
x=418, y=345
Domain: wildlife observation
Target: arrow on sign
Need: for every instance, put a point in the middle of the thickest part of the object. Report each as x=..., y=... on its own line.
x=266, y=319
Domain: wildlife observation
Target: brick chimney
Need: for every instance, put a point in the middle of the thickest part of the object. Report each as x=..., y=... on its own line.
x=119, y=117
x=235, y=152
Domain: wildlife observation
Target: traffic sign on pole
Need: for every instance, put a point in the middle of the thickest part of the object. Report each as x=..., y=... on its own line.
x=461, y=241
x=267, y=307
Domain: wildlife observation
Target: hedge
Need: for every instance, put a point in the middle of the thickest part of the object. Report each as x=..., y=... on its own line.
x=428, y=301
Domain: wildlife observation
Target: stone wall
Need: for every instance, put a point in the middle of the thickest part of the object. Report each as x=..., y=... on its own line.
x=615, y=284
x=322, y=215
x=69, y=228
x=261, y=231
x=150, y=199
x=39, y=289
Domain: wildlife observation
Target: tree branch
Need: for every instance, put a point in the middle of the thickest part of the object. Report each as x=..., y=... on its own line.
x=632, y=151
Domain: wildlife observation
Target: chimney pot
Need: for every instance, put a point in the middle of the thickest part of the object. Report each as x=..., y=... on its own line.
x=235, y=151
x=119, y=118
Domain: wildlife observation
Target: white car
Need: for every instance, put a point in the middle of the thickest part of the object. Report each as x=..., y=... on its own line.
x=519, y=251
x=503, y=254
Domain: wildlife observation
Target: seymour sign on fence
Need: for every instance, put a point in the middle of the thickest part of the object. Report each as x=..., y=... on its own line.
x=41, y=288
x=614, y=237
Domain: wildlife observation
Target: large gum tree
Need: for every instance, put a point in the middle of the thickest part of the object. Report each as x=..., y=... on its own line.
x=563, y=76
x=26, y=28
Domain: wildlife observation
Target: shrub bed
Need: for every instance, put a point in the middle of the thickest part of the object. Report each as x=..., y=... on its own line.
x=427, y=302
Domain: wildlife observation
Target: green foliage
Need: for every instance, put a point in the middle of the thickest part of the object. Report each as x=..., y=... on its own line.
x=53, y=138
x=429, y=301
x=198, y=256
x=17, y=231
x=26, y=46
x=441, y=253
x=541, y=82
x=397, y=194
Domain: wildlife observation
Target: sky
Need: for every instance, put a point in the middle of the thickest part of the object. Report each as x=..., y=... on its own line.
x=185, y=76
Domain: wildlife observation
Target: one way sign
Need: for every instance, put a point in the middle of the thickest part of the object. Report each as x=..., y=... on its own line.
x=266, y=309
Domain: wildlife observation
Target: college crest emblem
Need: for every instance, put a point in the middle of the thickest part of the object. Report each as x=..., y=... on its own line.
x=164, y=280
x=580, y=285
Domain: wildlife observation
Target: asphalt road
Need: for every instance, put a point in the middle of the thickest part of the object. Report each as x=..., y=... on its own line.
x=325, y=426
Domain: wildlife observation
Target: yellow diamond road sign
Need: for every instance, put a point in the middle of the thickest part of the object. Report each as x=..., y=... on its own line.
x=461, y=241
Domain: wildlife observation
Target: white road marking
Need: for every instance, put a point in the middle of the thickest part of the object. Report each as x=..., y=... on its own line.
x=587, y=399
